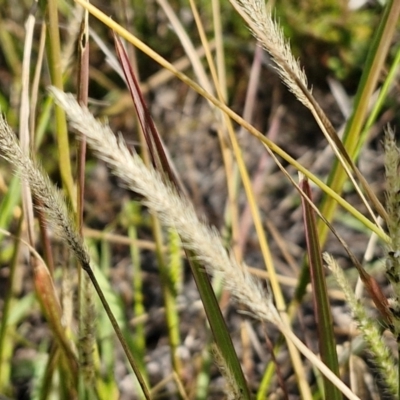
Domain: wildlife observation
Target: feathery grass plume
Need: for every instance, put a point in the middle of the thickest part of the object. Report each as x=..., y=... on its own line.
x=176, y=212
x=392, y=164
x=51, y=199
x=369, y=329
x=270, y=35
x=173, y=210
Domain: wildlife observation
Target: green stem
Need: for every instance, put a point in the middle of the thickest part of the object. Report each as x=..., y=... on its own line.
x=54, y=61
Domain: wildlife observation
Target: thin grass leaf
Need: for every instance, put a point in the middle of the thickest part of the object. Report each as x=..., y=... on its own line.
x=327, y=343
x=154, y=142
x=383, y=94
x=268, y=376
x=117, y=308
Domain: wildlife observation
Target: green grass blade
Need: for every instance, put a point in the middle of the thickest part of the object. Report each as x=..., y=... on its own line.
x=371, y=72
x=218, y=324
x=337, y=177
x=387, y=84
x=327, y=344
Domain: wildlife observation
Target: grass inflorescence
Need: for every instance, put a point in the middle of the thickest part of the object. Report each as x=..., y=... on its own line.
x=113, y=251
